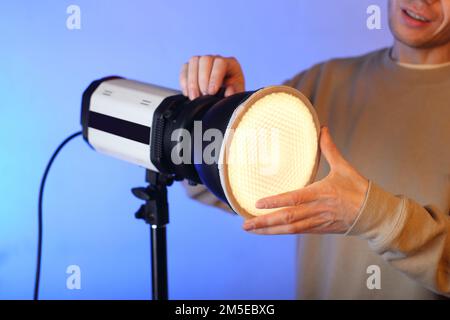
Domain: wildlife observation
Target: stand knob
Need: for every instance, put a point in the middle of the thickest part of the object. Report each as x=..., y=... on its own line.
x=142, y=193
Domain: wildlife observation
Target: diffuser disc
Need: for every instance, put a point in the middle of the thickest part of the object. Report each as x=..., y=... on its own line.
x=270, y=147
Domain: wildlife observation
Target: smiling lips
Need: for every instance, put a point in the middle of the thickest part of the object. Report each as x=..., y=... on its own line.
x=416, y=16
x=414, y=19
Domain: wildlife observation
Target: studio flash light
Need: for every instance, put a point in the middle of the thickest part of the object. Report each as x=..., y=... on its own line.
x=242, y=148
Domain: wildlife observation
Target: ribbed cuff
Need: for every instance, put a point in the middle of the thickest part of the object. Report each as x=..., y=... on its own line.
x=379, y=217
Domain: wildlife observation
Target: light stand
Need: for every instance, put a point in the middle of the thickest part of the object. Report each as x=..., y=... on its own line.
x=155, y=212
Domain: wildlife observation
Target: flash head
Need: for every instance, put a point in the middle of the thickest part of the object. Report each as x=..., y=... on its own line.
x=242, y=147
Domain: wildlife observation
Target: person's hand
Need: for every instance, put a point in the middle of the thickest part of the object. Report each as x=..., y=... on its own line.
x=204, y=75
x=330, y=205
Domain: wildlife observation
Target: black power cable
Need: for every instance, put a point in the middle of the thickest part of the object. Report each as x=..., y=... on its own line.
x=41, y=194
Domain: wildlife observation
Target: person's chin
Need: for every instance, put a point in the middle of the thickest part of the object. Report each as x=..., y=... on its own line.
x=413, y=39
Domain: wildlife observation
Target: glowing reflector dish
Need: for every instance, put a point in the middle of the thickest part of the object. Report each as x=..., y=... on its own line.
x=270, y=147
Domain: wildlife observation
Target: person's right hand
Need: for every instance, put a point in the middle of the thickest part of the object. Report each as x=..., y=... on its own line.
x=204, y=75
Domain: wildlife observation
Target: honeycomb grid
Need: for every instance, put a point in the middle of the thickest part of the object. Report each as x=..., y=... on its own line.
x=272, y=150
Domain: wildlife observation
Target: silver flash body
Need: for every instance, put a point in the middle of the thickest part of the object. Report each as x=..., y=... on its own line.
x=117, y=118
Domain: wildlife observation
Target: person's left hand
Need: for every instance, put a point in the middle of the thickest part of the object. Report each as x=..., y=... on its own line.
x=330, y=205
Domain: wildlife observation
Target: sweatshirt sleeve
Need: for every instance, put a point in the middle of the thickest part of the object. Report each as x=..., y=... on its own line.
x=414, y=239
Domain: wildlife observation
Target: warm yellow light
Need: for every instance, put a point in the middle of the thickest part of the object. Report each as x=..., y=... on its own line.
x=271, y=147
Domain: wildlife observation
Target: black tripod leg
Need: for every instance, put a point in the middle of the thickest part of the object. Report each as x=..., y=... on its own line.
x=159, y=262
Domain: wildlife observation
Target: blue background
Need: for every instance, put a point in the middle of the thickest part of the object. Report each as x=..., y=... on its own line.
x=88, y=208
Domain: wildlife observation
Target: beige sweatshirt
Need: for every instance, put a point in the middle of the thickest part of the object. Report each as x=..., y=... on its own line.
x=392, y=124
